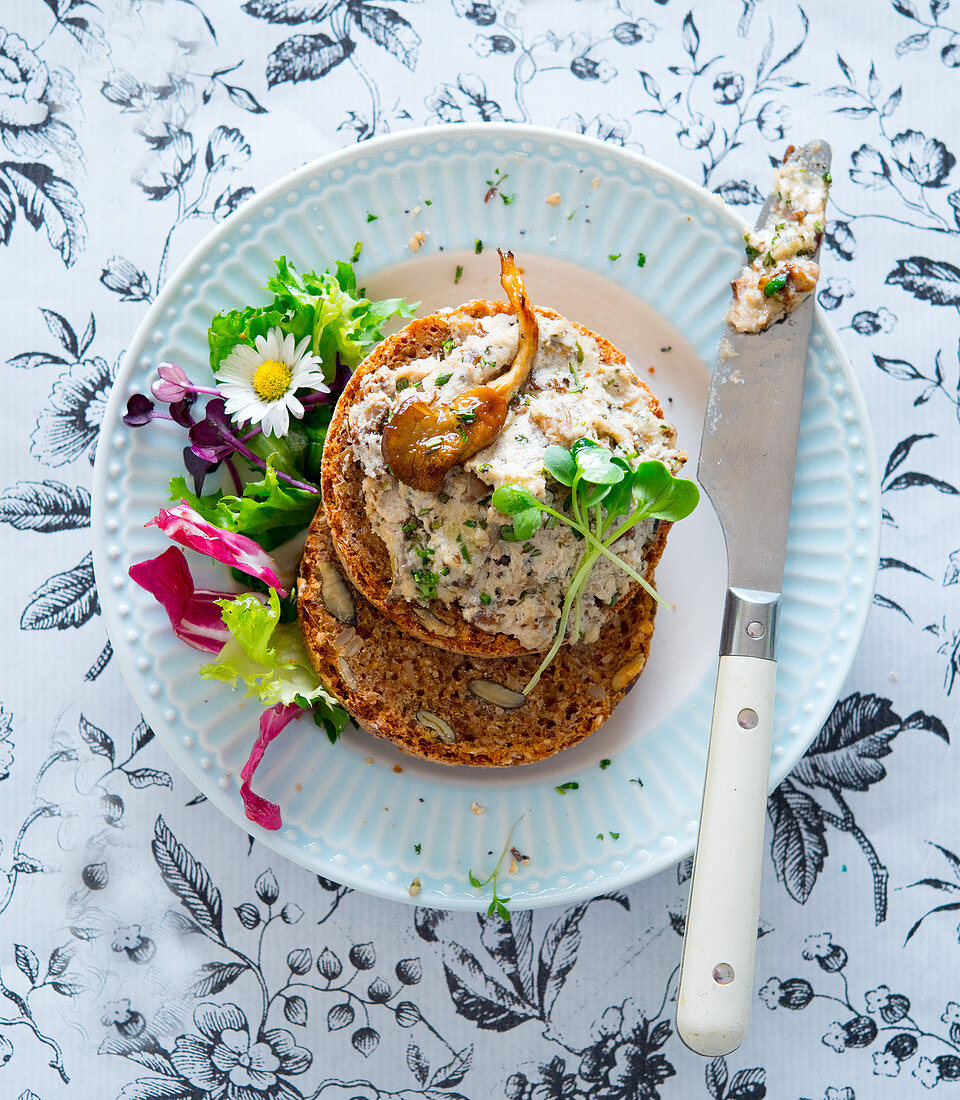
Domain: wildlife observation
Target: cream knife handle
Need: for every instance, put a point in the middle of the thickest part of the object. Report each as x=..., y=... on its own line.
x=720, y=938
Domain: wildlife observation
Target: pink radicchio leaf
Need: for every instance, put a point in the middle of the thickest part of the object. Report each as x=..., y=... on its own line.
x=184, y=525
x=194, y=613
x=272, y=722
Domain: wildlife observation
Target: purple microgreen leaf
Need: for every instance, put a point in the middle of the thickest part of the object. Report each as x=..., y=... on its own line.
x=140, y=411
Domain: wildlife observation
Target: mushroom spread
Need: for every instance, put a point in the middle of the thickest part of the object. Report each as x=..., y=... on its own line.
x=782, y=272
x=448, y=542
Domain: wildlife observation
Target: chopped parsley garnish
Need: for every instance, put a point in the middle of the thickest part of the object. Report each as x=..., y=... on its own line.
x=507, y=199
x=564, y=787
x=424, y=553
x=357, y=248
x=416, y=848
x=478, y=246
x=573, y=371
x=641, y=259
x=464, y=550
x=752, y=253
x=774, y=286
x=827, y=178
x=469, y=523
x=426, y=583
x=614, y=836
x=599, y=836
x=483, y=467
x=466, y=416
x=521, y=438
x=579, y=354
x=442, y=379
x=371, y=217
x=428, y=202
x=456, y=278
x=409, y=527
x=638, y=781
x=572, y=212
x=614, y=255
x=449, y=345
x=486, y=599
x=444, y=571
x=604, y=764
x=442, y=497
x=403, y=384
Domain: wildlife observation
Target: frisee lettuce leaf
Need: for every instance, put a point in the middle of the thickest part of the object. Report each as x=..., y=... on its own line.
x=328, y=307
x=269, y=658
x=269, y=511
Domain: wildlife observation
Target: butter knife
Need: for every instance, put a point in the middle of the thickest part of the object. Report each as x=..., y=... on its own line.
x=747, y=459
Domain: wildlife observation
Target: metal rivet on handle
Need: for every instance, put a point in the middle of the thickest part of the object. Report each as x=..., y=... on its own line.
x=723, y=973
x=755, y=629
x=747, y=719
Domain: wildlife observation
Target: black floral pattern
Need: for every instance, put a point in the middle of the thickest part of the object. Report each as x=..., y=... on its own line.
x=148, y=945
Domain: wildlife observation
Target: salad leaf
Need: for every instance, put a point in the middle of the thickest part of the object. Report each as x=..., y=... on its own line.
x=272, y=723
x=267, y=657
x=184, y=525
x=340, y=320
x=267, y=511
x=195, y=614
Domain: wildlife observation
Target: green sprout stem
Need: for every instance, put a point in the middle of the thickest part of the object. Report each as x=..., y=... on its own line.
x=604, y=547
x=497, y=904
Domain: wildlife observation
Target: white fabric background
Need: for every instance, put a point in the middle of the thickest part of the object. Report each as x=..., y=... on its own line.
x=105, y=117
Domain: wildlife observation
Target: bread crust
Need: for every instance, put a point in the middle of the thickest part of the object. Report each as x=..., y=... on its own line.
x=384, y=677
x=363, y=555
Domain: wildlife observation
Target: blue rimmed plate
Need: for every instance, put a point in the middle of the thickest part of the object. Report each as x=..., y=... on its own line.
x=633, y=251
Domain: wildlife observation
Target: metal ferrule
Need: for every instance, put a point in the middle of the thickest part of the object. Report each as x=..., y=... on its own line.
x=750, y=624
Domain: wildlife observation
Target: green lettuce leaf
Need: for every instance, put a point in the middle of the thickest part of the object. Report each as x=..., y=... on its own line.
x=266, y=657
x=268, y=511
x=328, y=307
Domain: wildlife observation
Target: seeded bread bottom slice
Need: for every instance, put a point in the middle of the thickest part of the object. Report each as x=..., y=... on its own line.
x=363, y=554
x=385, y=678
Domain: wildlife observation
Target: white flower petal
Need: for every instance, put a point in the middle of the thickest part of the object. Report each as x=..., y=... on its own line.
x=295, y=407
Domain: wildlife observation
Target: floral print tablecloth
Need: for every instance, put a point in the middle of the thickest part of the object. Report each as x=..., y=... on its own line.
x=148, y=948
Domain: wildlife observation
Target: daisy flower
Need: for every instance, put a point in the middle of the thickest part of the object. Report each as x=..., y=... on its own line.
x=260, y=384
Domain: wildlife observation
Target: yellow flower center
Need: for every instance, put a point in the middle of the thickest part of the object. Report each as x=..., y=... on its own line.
x=271, y=380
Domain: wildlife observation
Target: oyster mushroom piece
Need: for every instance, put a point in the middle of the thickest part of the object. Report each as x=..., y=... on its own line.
x=424, y=439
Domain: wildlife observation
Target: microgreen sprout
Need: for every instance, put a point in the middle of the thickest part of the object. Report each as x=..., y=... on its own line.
x=497, y=905
x=607, y=498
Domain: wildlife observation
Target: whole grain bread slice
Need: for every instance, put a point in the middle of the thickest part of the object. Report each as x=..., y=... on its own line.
x=363, y=555
x=419, y=696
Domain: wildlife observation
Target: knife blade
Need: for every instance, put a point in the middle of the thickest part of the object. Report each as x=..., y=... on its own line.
x=747, y=461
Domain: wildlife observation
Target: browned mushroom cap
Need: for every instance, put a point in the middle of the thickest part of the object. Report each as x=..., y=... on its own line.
x=426, y=438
